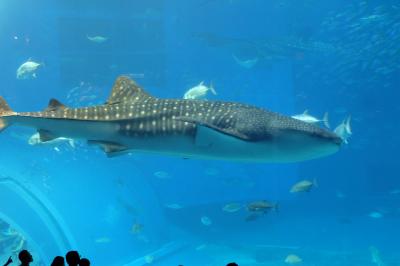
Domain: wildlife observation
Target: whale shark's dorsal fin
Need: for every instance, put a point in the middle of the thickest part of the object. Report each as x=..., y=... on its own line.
x=126, y=90
x=55, y=105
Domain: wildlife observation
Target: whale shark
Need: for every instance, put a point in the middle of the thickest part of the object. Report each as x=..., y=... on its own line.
x=134, y=121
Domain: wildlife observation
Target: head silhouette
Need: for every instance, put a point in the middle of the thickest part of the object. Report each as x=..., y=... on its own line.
x=232, y=264
x=58, y=261
x=72, y=258
x=25, y=257
x=84, y=262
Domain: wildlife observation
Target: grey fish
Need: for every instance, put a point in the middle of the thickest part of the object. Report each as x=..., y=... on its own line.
x=134, y=121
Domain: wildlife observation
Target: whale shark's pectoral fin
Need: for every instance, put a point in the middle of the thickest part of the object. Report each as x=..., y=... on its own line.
x=204, y=127
x=111, y=149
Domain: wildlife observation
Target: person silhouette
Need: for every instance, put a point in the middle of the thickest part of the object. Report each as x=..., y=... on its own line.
x=84, y=262
x=58, y=261
x=8, y=261
x=72, y=257
x=25, y=257
x=232, y=264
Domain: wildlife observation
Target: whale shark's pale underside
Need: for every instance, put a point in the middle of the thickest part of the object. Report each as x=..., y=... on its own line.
x=134, y=121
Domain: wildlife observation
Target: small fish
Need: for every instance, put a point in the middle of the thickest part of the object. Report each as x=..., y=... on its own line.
x=372, y=17
x=375, y=256
x=137, y=228
x=232, y=207
x=201, y=247
x=303, y=186
x=344, y=130
x=27, y=70
x=149, y=259
x=174, y=206
x=162, y=175
x=293, y=259
x=199, y=92
x=97, y=39
x=262, y=206
x=102, y=240
x=206, y=221
x=375, y=215
x=249, y=63
x=35, y=140
x=306, y=117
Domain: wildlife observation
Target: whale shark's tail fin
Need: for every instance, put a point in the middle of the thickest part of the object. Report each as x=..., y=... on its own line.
x=5, y=111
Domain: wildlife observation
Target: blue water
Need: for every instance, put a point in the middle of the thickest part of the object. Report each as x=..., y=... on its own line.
x=341, y=57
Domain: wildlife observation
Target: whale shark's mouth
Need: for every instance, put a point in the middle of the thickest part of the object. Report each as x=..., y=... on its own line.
x=329, y=137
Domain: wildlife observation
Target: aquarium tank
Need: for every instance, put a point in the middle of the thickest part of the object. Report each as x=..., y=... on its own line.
x=200, y=132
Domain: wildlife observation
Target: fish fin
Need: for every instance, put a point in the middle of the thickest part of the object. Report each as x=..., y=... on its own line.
x=4, y=107
x=71, y=143
x=5, y=110
x=201, y=83
x=325, y=119
x=34, y=75
x=45, y=135
x=212, y=89
x=348, y=126
x=126, y=90
x=111, y=149
x=55, y=105
x=305, y=112
x=205, y=129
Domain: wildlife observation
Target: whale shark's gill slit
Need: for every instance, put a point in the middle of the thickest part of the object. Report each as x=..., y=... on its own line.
x=224, y=130
x=111, y=149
